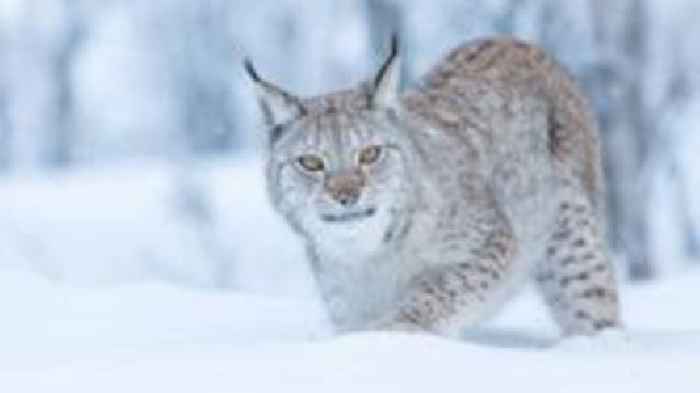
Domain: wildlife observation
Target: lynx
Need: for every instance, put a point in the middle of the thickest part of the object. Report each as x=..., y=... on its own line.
x=427, y=208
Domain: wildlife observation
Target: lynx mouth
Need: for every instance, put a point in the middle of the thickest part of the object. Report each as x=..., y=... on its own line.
x=349, y=216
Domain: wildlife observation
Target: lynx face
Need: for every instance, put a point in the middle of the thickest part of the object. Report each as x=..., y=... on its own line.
x=339, y=173
x=338, y=162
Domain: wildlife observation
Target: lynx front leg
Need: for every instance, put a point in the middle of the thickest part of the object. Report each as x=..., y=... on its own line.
x=577, y=278
x=462, y=292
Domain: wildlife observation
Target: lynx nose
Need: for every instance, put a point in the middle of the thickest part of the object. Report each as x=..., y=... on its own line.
x=348, y=198
x=345, y=188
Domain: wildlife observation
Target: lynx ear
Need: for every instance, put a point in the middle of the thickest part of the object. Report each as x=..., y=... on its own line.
x=277, y=105
x=386, y=84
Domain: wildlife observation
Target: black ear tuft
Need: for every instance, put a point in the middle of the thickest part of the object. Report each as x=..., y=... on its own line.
x=393, y=54
x=250, y=69
x=394, y=44
x=386, y=84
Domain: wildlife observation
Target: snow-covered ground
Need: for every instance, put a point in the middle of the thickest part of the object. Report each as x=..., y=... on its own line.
x=158, y=338
x=105, y=286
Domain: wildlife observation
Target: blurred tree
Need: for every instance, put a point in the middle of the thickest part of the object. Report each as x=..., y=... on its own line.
x=200, y=52
x=628, y=131
x=198, y=58
x=5, y=123
x=61, y=138
x=679, y=92
x=505, y=22
x=5, y=133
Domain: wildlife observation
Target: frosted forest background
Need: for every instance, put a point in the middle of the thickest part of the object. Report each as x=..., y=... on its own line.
x=130, y=142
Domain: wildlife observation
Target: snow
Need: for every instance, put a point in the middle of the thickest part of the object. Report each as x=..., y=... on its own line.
x=111, y=224
x=156, y=337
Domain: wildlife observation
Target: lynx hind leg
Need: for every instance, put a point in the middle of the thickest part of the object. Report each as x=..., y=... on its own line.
x=576, y=277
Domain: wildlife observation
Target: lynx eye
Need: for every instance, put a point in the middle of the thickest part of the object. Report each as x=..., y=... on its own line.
x=311, y=163
x=369, y=155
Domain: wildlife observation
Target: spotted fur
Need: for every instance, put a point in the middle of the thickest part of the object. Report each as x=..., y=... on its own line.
x=489, y=174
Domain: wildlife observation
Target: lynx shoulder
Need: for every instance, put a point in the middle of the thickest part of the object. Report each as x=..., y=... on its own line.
x=427, y=208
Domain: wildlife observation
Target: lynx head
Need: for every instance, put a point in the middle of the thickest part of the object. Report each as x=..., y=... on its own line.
x=338, y=163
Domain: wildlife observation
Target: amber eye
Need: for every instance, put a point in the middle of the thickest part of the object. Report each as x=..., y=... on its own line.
x=311, y=163
x=369, y=155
